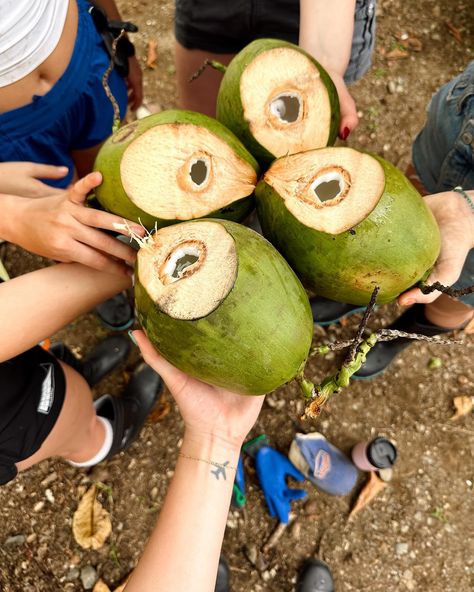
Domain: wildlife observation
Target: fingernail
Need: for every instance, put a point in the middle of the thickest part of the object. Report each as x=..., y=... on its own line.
x=132, y=338
x=345, y=132
x=63, y=169
x=409, y=302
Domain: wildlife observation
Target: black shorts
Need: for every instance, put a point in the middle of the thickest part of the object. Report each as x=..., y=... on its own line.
x=227, y=27
x=32, y=391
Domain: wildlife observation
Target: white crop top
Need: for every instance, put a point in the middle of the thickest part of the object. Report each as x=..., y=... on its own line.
x=29, y=32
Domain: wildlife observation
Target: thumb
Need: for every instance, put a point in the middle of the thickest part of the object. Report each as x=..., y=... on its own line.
x=292, y=471
x=174, y=378
x=444, y=272
x=80, y=190
x=294, y=494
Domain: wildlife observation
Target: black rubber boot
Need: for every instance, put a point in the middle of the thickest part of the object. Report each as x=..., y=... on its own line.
x=315, y=577
x=223, y=577
x=128, y=412
x=326, y=312
x=104, y=358
x=383, y=353
x=116, y=313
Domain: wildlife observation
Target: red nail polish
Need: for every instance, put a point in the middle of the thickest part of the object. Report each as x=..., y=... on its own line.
x=345, y=132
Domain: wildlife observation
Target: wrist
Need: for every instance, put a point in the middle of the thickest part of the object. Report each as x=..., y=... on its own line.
x=209, y=445
x=12, y=207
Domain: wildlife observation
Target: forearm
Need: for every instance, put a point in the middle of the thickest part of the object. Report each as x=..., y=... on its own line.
x=110, y=8
x=36, y=305
x=326, y=30
x=183, y=551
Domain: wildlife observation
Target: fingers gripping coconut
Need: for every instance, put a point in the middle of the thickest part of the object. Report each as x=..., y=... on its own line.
x=346, y=222
x=175, y=165
x=221, y=304
x=278, y=100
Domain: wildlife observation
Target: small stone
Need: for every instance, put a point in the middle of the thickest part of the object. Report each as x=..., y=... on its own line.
x=88, y=577
x=154, y=493
x=16, y=540
x=38, y=506
x=401, y=548
x=386, y=474
x=296, y=530
x=49, y=479
x=72, y=574
x=463, y=379
x=392, y=87
x=404, y=528
x=49, y=496
x=31, y=537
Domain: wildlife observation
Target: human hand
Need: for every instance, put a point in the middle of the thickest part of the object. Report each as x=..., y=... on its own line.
x=60, y=227
x=456, y=224
x=135, y=84
x=22, y=178
x=349, y=118
x=272, y=469
x=208, y=411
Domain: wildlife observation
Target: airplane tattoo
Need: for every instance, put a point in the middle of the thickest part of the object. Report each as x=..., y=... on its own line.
x=220, y=470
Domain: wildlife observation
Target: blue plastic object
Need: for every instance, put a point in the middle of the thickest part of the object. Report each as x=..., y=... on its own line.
x=323, y=464
x=272, y=469
x=238, y=493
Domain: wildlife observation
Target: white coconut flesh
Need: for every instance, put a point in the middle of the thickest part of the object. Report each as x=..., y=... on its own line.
x=183, y=171
x=188, y=269
x=285, y=102
x=330, y=189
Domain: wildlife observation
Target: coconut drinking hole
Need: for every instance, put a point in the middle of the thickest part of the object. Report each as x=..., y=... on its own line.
x=179, y=262
x=199, y=171
x=328, y=187
x=286, y=107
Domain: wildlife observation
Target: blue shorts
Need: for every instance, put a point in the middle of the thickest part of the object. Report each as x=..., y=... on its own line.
x=75, y=114
x=227, y=27
x=443, y=152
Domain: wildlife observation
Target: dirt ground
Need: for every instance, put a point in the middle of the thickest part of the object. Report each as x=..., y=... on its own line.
x=418, y=534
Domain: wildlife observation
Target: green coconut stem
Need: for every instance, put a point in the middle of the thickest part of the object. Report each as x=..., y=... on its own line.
x=449, y=290
x=105, y=83
x=213, y=64
x=306, y=386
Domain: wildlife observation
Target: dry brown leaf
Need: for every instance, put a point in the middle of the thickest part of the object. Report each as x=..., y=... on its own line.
x=463, y=405
x=160, y=410
x=373, y=487
x=397, y=54
x=152, y=55
x=413, y=43
x=455, y=32
x=469, y=328
x=91, y=524
x=121, y=588
x=100, y=586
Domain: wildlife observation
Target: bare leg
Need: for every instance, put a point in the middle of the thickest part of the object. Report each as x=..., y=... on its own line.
x=448, y=312
x=77, y=434
x=201, y=94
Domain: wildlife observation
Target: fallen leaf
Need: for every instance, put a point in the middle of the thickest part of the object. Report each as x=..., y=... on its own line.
x=463, y=405
x=397, y=54
x=100, y=586
x=160, y=410
x=373, y=487
x=456, y=33
x=469, y=328
x=152, y=55
x=413, y=43
x=91, y=524
x=121, y=588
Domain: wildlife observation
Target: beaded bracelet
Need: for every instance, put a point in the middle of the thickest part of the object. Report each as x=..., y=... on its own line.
x=461, y=191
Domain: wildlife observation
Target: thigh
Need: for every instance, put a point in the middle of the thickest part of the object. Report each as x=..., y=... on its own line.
x=200, y=94
x=72, y=424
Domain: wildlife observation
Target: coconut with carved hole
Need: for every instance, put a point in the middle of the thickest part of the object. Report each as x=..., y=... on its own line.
x=278, y=100
x=175, y=165
x=347, y=221
x=220, y=303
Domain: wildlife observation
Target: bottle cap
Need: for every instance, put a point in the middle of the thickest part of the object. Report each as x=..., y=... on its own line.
x=381, y=453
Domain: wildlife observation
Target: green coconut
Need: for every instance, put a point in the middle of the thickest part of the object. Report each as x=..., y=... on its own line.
x=220, y=303
x=174, y=166
x=347, y=221
x=278, y=100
